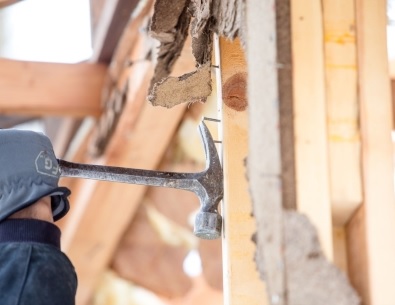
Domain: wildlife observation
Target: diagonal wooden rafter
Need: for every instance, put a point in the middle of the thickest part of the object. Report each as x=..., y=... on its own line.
x=102, y=211
x=5, y=3
x=98, y=223
x=109, y=20
x=44, y=89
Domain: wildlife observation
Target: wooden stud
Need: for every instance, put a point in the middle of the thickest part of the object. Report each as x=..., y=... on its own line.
x=50, y=89
x=109, y=26
x=357, y=255
x=241, y=280
x=311, y=149
x=377, y=152
x=392, y=68
x=340, y=248
x=5, y=3
x=342, y=108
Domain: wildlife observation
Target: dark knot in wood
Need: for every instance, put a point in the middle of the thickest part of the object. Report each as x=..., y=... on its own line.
x=234, y=92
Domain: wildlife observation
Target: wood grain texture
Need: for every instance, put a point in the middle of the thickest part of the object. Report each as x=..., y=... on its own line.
x=140, y=139
x=311, y=147
x=357, y=255
x=242, y=284
x=342, y=108
x=377, y=152
x=50, y=89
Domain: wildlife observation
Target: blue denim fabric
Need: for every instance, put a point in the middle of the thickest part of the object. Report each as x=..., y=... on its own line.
x=35, y=274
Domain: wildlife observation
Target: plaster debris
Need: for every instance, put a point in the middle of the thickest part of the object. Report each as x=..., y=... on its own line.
x=190, y=87
x=310, y=278
x=170, y=25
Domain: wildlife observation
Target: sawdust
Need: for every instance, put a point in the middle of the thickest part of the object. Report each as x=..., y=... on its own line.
x=190, y=87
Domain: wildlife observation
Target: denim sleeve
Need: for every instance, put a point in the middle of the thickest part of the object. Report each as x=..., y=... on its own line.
x=33, y=270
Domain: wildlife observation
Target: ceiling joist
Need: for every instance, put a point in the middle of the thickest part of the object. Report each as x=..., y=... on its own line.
x=50, y=89
x=109, y=21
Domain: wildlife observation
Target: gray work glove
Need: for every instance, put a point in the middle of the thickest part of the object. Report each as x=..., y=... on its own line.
x=29, y=171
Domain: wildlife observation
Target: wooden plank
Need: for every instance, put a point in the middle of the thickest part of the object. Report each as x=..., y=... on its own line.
x=142, y=135
x=109, y=27
x=342, y=108
x=357, y=255
x=4, y=3
x=393, y=100
x=50, y=89
x=392, y=68
x=340, y=248
x=311, y=149
x=93, y=233
x=241, y=279
x=377, y=153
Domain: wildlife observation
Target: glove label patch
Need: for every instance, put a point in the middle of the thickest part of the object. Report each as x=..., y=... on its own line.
x=46, y=165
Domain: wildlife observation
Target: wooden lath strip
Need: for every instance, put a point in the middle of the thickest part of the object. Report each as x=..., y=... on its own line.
x=45, y=89
x=311, y=147
x=376, y=221
x=344, y=141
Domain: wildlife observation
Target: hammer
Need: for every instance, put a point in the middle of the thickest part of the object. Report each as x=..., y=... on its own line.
x=207, y=185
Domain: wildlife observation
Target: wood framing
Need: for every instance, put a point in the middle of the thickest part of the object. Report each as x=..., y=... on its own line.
x=377, y=151
x=111, y=18
x=311, y=147
x=50, y=89
x=242, y=284
x=342, y=108
x=97, y=224
x=4, y=3
x=104, y=210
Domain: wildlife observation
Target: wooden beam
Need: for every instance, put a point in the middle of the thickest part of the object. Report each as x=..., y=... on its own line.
x=392, y=68
x=5, y=3
x=377, y=152
x=44, y=89
x=311, y=148
x=342, y=108
x=112, y=20
x=357, y=254
x=242, y=284
x=104, y=210
x=99, y=222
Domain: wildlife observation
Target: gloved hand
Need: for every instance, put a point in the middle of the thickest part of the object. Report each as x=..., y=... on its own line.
x=29, y=171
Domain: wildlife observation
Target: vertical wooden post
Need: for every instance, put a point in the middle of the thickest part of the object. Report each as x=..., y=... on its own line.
x=342, y=108
x=311, y=161
x=377, y=153
x=241, y=280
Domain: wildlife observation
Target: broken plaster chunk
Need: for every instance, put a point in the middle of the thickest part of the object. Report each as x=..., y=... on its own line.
x=188, y=88
x=166, y=15
x=311, y=278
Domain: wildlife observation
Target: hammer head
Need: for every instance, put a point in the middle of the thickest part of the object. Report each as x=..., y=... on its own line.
x=208, y=222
